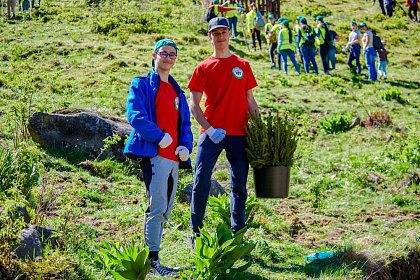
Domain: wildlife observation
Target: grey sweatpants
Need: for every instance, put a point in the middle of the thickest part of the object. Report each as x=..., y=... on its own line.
x=161, y=178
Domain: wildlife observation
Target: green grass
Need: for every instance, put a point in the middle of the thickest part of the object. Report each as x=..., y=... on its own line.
x=353, y=192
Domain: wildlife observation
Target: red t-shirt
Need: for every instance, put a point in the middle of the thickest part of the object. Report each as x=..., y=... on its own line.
x=167, y=107
x=224, y=82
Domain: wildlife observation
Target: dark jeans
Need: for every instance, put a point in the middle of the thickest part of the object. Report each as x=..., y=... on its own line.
x=414, y=10
x=355, y=55
x=309, y=56
x=272, y=48
x=323, y=53
x=257, y=33
x=206, y=157
x=389, y=8
x=233, y=21
x=381, y=5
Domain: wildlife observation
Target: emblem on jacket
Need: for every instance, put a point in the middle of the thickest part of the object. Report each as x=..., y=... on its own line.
x=176, y=103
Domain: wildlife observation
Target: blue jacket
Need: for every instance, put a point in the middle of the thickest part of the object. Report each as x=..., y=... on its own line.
x=141, y=115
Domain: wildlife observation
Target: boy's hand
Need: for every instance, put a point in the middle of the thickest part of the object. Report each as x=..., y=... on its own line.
x=216, y=135
x=166, y=141
x=182, y=152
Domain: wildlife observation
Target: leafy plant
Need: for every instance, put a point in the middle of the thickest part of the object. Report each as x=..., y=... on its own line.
x=341, y=90
x=124, y=261
x=18, y=170
x=392, y=94
x=220, y=207
x=272, y=140
x=335, y=123
x=215, y=256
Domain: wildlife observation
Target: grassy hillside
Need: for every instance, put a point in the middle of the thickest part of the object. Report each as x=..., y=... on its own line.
x=354, y=192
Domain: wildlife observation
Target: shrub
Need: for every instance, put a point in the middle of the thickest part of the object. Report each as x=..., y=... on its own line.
x=335, y=123
x=220, y=207
x=341, y=90
x=392, y=94
x=377, y=119
x=19, y=170
x=215, y=256
x=124, y=261
x=272, y=140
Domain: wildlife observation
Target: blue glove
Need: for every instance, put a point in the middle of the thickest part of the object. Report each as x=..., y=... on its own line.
x=216, y=135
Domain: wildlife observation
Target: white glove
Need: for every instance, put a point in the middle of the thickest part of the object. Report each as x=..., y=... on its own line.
x=166, y=141
x=182, y=152
x=216, y=134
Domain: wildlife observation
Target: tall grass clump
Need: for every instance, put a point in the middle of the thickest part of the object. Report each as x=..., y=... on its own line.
x=19, y=171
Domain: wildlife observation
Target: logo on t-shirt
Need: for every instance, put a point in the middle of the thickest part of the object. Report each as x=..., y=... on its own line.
x=238, y=73
x=176, y=103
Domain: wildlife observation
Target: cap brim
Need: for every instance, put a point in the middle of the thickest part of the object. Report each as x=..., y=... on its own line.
x=218, y=26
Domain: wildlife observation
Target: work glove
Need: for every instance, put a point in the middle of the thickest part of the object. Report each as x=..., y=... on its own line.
x=182, y=152
x=216, y=134
x=166, y=141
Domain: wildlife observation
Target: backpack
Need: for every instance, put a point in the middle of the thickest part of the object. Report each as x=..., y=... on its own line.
x=272, y=37
x=210, y=14
x=309, y=37
x=259, y=21
x=377, y=44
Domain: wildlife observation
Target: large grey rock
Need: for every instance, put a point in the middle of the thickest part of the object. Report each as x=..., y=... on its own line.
x=33, y=239
x=215, y=190
x=30, y=245
x=73, y=130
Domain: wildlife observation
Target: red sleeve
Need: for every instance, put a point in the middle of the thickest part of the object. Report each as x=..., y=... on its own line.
x=251, y=82
x=197, y=81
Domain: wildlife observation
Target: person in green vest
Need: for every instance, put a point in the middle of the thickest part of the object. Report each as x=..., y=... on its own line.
x=271, y=38
x=26, y=7
x=286, y=46
x=306, y=39
x=219, y=9
x=296, y=29
x=233, y=16
x=253, y=29
x=321, y=33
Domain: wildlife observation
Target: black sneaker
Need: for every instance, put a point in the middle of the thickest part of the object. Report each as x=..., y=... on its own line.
x=163, y=270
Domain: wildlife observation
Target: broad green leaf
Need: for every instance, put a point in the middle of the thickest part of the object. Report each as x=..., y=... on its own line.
x=129, y=274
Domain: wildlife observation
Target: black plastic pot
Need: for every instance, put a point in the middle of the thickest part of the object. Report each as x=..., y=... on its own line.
x=272, y=181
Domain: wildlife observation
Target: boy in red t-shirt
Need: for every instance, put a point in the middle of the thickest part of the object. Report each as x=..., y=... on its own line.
x=227, y=81
x=161, y=139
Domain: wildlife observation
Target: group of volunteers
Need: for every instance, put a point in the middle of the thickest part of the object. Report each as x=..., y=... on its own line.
x=303, y=39
x=162, y=140
x=23, y=5
x=286, y=41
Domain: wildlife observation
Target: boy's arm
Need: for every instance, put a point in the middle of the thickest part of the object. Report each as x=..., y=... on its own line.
x=196, y=110
x=252, y=104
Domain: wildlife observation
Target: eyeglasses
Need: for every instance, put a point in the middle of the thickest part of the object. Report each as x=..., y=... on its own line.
x=171, y=55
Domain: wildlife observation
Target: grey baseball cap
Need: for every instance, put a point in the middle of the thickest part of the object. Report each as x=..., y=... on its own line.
x=218, y=22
